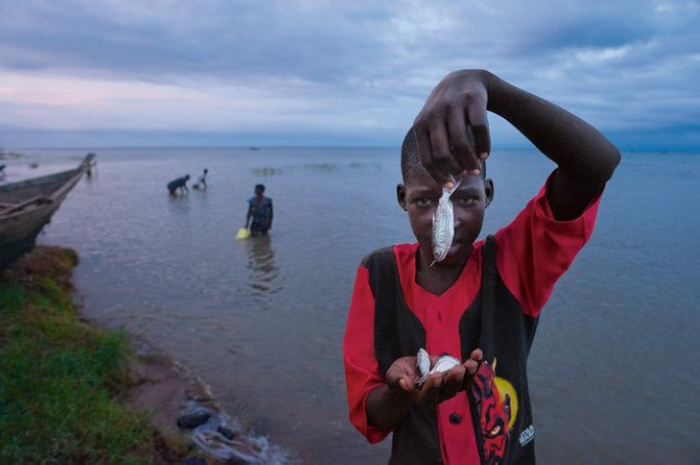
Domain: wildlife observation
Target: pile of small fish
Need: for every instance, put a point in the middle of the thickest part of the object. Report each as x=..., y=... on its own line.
x=443, y=364
x=444, y=224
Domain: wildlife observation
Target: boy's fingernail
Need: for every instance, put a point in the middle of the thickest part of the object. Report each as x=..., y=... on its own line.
x=483, y=155
x=449, y=185
x=475, y=172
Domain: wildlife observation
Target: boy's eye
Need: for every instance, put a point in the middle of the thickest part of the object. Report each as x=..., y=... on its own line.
x=423, y=202
x=466, y=199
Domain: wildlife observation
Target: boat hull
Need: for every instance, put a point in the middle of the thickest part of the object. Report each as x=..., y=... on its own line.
x=28, y=206
x=11, y=251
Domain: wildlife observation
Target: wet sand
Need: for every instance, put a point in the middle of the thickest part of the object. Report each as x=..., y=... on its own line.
x=161, y=386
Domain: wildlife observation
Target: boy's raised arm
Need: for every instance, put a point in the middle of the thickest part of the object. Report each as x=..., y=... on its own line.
x=586, y=159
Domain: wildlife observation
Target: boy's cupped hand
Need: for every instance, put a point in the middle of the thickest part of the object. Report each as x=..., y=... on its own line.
x=456, y=105
x=403, y=374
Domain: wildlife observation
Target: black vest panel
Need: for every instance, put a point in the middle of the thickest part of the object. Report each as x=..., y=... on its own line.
x=398, y=333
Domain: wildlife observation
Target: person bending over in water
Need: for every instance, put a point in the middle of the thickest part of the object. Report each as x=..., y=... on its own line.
x=260, y=211
x=179, y=183
x=481, y=302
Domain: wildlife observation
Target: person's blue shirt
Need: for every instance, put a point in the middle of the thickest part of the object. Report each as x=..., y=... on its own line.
x=260, y=209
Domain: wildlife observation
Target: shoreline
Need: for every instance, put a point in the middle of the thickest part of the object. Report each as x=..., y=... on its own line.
x=183, y=421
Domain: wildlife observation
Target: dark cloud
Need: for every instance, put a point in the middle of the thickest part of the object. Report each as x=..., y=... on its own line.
x=599, y=33
x=224, y=39
x=623, y=65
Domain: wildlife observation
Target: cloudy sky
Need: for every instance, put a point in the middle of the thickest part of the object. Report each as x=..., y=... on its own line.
x=84, y=73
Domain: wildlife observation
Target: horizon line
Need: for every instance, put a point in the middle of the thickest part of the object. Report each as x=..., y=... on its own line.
x=255, y=147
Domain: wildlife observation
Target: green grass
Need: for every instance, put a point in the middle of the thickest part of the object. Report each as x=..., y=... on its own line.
x=59, y=379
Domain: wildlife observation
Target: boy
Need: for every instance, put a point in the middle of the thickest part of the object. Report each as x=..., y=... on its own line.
x=260, y=210
x=481, y=303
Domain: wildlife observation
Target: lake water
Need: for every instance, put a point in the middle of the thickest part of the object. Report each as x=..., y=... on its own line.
x=614, y=369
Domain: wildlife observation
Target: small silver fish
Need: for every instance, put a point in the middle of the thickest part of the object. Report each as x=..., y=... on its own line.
x=444, y=224
x=423, y=362
x=443, y=364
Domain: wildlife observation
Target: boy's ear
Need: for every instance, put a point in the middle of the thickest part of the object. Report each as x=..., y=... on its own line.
x=489, y=189
x=401, y=196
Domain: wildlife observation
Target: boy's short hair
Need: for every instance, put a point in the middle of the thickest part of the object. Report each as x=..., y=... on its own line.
x=260, y=187
x=410, y=160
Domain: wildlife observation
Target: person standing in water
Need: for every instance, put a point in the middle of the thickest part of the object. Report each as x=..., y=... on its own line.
x=203, y=179
x=260, y=211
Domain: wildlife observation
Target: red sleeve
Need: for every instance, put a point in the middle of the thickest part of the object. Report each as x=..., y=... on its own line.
x=361, y=367
x=534, y=250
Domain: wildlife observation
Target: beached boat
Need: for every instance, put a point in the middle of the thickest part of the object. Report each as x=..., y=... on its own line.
x=26, y=207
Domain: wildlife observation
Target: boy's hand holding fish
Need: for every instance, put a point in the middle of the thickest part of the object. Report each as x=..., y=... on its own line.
x=403, y=386
x=456, y=107
x=452, y=136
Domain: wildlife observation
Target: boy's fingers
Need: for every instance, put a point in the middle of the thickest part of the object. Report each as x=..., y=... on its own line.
x=464, y=151
x=423, y=144
x=443, y=163
x=406, y=385
x=470, y=161
x=453, y=382
x=470, y=367
x=478, y=120
x=475, y=360
x=482, y=141
x=424, y=147
x=435, y=149
x=406, y=382
x=477, y=354
x=461, y=147
x=430, y=392
x=456, y=374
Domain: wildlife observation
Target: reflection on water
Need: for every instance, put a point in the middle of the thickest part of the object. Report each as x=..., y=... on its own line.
x=179, y=203
x=263, y=274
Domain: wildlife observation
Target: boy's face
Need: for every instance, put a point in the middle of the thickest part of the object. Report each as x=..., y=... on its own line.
x=419, y=197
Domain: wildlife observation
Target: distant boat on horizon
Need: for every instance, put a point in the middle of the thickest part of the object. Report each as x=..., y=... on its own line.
x=27, y=206
x=254, y=147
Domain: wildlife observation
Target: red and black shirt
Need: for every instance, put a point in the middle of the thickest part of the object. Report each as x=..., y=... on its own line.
x=493, y=305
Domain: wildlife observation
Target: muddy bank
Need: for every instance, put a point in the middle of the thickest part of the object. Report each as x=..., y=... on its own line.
x=181, y=405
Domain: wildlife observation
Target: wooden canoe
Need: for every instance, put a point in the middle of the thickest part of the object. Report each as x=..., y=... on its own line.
x=27, y=206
